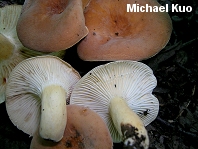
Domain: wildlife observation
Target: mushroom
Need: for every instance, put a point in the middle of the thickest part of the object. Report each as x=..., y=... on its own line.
x=52, y=25
x=121, y=93
x=11, y=49
x=37, y=91
x=84, y=129
x=115, y=34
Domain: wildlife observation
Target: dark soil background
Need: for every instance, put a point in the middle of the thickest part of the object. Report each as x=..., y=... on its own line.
x=176, y=69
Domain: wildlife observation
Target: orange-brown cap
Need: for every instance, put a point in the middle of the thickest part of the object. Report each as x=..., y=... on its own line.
x=115, y=34
x=84, y=129
x=85, y=3
x=11, y=49
x=52, y=25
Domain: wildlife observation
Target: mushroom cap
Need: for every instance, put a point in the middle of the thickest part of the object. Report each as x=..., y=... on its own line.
x=11, y=49
x=84, y=129
x=130, y=80
x=115, y=34
x=51, y=25
x=9, y=44
x=85, y=3
x=26, y=83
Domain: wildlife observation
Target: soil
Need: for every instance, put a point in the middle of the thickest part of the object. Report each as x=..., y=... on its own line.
x=176, y=69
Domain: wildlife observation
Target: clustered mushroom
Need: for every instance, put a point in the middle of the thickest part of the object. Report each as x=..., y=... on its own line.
x=37, y=91
x=115, y=34
x=121, y=93
x=11, y=49
x=84, y=129
x=52, y=25
x=112, y=102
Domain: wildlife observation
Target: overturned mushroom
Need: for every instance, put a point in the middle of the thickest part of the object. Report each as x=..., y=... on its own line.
x=11, y=49
x=115, y=34
x=37, y=91
x=121, y=93
x=52, y=25
x=84, y=129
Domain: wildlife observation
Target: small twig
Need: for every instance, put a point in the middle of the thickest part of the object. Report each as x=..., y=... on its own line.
x=193, y=90
x=168, y=52
x=179, y=129
x=164, y=122
x=189, y=42
x=185, y=107
x=184, y=68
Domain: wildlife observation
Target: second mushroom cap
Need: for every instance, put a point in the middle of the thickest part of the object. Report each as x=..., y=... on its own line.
x=48, y=25
x=115, y=34
x=85, y=129
x=115, y=89
x=37, y=91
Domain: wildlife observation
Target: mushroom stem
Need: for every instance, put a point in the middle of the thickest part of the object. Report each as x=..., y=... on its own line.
x=53, y=113
x=6, y=47
x=128, y=124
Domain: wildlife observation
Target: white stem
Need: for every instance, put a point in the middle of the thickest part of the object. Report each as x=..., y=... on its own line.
x=6, y=48
x=53, y=113
x=128, y=124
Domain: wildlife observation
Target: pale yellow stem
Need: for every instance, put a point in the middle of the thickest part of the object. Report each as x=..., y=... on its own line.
x=53, y=113
x=128, y=124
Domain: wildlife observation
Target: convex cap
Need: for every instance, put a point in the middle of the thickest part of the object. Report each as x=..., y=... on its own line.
x=52, y=25
x=121, y=93
x=85, y=129
x=37, y=91
x=11, y=49
x=115, y=34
